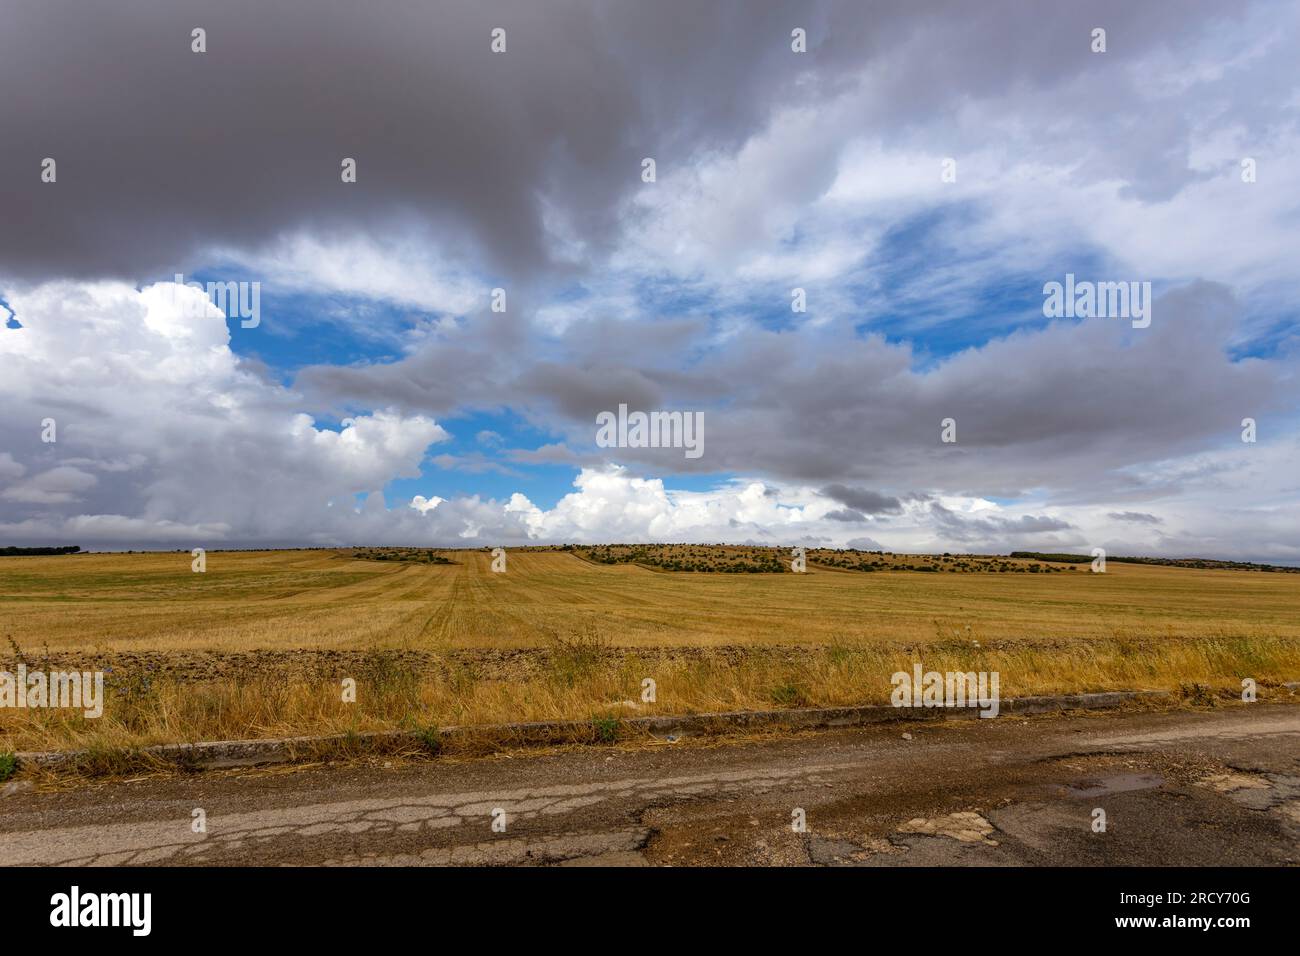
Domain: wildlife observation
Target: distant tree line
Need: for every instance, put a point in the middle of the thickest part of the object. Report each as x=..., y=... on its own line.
x=402, y=554
x=1059, y=558
x=11, y=551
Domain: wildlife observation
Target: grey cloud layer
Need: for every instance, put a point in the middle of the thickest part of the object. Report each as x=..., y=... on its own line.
x=1073, y=407
x=163, y=152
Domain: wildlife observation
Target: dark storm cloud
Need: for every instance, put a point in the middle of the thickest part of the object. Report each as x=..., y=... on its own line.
x=1137, y=517
x=863, y=499
x=161, y=149
x=962, y=528
x=163, y=152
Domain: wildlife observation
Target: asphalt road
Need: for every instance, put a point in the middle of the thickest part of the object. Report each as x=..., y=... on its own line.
x=1205, y=788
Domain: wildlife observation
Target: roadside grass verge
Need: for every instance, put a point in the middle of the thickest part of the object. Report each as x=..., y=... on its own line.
x=589, y=680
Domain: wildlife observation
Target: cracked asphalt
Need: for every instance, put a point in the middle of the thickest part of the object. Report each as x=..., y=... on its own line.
x=1206, y=788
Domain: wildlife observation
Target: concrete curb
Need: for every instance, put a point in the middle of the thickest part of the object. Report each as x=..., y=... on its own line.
x=217, y=754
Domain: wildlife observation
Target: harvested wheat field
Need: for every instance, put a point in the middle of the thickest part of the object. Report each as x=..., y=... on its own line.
x=257, y=644
x=328, y=599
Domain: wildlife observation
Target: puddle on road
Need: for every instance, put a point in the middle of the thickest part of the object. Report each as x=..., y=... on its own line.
x=1118, y=783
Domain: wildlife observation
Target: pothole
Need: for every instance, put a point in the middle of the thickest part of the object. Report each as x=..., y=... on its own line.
x=838, y=851
x=1256, y=791
x=1232, y=782
x=1289, y=811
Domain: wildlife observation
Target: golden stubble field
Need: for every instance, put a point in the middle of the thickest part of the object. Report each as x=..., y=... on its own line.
x=327, y=599
x=257, y=645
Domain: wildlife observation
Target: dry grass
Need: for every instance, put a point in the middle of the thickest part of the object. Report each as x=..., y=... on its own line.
x=825, y=638
x=587, y=680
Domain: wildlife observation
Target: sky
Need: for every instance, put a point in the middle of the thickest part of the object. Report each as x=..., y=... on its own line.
x=435, y=342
